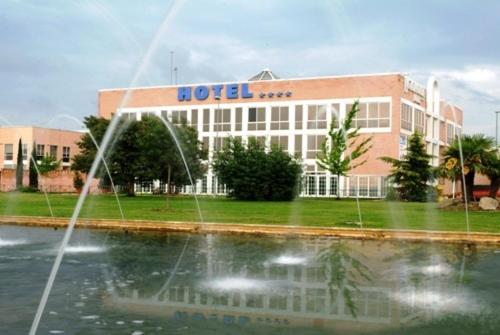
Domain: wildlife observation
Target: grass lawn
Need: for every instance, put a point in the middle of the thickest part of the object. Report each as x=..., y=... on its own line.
x=307, y=212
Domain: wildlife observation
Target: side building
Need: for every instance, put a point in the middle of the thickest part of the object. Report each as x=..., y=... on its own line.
x=57, y=143
x=296, y=113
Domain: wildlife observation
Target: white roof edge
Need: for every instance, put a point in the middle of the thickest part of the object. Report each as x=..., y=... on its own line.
x=38, y=127
x=246, y=81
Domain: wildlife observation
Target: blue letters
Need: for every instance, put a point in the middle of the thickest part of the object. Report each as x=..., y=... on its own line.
x=232, y=91
x=184, y=93
x=245, y=94
x=217, y=90
x=201, y=92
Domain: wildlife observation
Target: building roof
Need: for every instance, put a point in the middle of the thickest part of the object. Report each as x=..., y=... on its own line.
x=265, y=74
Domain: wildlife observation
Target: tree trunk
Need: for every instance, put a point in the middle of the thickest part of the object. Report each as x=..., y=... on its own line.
x=130, y=189
x=494, y=186
x=169, y=174
x=469, y=183
x=338, y=186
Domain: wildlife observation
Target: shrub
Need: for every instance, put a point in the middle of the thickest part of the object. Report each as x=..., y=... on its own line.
x=78, y=181
x=250, y=173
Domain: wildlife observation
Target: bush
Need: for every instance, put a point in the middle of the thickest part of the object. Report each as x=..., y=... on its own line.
x=28, y=189
x=250, y=173
x=78, y=181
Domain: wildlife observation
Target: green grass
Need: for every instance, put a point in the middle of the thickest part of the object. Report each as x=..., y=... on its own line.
x=307, y=212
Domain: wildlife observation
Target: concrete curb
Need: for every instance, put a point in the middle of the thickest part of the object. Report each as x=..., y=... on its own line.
x=257, y=229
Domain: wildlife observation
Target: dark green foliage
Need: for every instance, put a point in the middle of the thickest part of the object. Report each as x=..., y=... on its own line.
x=78, y=181
x=478, y=156
x=412, y=173
x=142, y=151
x=33, y=173
x=19, y=166
x=47, y=164
x=334, y=156
x=250, y=173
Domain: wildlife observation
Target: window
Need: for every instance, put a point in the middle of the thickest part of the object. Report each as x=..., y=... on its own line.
x=278, y=302
x=298, y=117
x=298, y=146
x=25, y=151
x=315, y=300
x=353, y=185
x=220, y=143
x=333, y=186
x=280, y=141
x=206, y=120
x=205, y=142
x=279, y=118
x=194, y=118
x=363, y=186
x=147, y=114
x=222, y=120
x=257, y=118
x=129, y=116
x=255, y=300
x=322, y=185
x=406, y=117
x=66, y=154
x=40, y=151
x=204, y=186
x=449, y=133
x=178, y=116
x=8, y=152
x=316, y=117
x=373, y=188
x=372, y=115
x=419, y=121
x=314, y=145
x=311, y=185
x=53, y=151
x=335, y=115
x=238, y=118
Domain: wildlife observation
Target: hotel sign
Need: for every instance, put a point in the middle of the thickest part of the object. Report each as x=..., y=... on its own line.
x=202, y=92
x=230, y=91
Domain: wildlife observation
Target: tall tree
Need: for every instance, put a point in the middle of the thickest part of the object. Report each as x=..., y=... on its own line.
x=342, y=149
x=19, y=166
x=492, y=170
x=33, y=173
x=413, y=172
x=476, y=151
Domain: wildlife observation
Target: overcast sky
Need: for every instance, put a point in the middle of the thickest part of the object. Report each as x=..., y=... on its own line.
x=55, y=55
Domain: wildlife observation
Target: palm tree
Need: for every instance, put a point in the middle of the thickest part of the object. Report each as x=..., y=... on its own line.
x=492, y=171
x=476, y=152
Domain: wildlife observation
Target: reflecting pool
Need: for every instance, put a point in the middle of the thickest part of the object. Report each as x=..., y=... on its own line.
x=118, y=283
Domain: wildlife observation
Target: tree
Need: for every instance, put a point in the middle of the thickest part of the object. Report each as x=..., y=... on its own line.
x=492, y=170
x=250, y=173
x=476, y=152
x=33, y=173
x=142, y=151
x=412, y=173
x=48, y=164
x=334, y=155
x=19, y=166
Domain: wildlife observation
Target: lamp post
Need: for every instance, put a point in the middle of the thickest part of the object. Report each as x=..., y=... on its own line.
x=496, y=128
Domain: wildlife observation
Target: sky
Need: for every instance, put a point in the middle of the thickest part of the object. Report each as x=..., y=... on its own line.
x=55, y=55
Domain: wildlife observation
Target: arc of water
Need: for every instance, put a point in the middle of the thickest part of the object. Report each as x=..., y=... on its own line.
x=171, y=11
x=35, y=165
x=103, y=160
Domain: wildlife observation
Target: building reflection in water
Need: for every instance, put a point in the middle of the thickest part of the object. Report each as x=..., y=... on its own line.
x=320, y=283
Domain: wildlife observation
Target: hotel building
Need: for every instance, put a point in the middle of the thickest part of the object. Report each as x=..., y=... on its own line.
x=296, y=113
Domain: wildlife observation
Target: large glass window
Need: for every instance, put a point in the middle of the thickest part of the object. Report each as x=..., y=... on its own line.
x=279, y=118
x=25, y=151
x=194, y=118
x=280, y=141
x=220, y=143
x=314, y=145
x=315, y=300
x=419, y=121
x=206, y=119
x=260, y=139
x=178, y=116
x=316, y=117
x=333, y=186
x=222, y=120
x=298, y=116
x=8, y=152
x=239, y=118
x=257, y=118
x=322, y=185
x=298, y=146
x=66, y=154
x=372, y=115
x=406, y=119
x=336, y=114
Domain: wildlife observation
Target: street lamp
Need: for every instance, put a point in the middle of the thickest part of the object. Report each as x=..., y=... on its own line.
x=496, y=128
